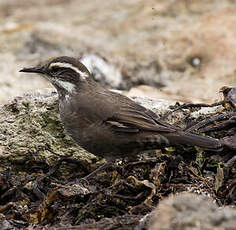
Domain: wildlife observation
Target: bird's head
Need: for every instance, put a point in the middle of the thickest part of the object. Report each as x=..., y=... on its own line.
x=65, y=73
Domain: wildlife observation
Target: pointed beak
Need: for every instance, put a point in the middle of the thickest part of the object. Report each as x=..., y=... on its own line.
x=37, y=69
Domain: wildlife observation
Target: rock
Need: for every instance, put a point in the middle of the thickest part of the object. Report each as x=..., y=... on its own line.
x=192, y=212
x=32, y=133
x=5, y=225
x=101, y=70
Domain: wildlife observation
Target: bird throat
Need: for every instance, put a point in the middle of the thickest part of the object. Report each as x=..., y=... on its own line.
x=64, y=88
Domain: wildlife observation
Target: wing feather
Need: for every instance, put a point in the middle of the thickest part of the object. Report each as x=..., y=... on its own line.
x=133, y=118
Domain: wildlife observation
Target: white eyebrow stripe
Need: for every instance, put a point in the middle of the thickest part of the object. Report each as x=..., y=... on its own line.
x=68, y=65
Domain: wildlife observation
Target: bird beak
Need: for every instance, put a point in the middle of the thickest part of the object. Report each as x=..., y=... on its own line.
x=37, y=69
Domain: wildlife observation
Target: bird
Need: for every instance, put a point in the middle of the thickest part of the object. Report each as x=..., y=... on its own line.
x=229, y=96
x=106, y=123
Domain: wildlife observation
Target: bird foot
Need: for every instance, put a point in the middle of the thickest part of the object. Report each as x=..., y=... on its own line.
x=100, y=168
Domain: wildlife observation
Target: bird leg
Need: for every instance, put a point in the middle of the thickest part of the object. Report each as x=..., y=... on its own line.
x=100, y=168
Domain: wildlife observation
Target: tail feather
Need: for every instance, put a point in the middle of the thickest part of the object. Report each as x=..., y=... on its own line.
x=194, y=140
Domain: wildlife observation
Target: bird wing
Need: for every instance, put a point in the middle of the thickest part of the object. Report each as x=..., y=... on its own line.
x=134, y=117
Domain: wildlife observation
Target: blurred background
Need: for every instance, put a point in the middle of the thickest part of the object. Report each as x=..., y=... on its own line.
x=181, y=50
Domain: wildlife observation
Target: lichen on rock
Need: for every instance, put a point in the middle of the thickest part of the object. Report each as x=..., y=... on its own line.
x=31, y=132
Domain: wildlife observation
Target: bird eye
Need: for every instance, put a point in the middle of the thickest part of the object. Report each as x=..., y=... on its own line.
x=55, y=69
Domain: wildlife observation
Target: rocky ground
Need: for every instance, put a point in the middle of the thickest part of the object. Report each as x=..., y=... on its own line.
x=182, y=49
x=177, y=50
x=41, y=167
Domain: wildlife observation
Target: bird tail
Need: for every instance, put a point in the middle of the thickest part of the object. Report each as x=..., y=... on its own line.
x=194, y=140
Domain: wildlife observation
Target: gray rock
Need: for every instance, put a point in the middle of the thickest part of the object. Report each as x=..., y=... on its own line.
x=102, y=71
x=31, y=130
x=5, y=225
x=192, y=212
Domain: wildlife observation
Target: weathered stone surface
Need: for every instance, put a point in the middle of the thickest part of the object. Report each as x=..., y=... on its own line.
x=31, y=130
x=32, y=133
x=192, y=212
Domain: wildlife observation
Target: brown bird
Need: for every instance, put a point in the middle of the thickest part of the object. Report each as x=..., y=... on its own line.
x=106, y=123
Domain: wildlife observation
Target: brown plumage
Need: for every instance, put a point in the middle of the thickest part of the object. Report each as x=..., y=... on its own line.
x=106, y=123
